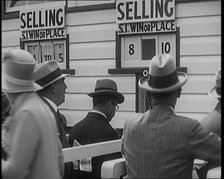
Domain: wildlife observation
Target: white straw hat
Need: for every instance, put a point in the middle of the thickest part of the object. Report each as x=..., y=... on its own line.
x=163, y=76
x=216, y=90
x=47, y=73
x=17, y=71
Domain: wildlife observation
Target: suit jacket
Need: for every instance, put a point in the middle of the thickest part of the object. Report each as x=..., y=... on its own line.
x=35, y=151
x=92, y=129
x=213, y=120
x=161, y=144
x=60, y=121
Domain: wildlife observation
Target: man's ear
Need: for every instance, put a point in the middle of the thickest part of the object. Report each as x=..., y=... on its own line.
x=108, y=104
x=52, y=87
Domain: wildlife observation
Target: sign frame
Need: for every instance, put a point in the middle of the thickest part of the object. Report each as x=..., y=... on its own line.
x=67, y=69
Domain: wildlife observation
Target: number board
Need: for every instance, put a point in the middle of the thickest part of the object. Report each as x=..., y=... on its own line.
x=138, y=50
x=48, y=50
x=33, y=48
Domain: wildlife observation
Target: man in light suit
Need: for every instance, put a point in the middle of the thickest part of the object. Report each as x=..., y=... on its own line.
x=95, y=127
x=159, y=143
x=49, y=76
x=213, y=120
x=33, y=148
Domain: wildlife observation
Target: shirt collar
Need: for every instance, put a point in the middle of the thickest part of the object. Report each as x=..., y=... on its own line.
x=167, y=106
x=170, y=107
x=54, y=106
x=95, y=111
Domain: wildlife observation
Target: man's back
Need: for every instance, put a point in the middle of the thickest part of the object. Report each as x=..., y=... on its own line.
x=92, y=129
x=160, y=144
x=35, y=145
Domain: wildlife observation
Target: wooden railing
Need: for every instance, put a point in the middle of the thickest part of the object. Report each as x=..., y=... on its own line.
x=114, y=168
x=91, y=150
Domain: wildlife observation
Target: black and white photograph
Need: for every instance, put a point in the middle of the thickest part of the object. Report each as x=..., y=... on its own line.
x=105, y=89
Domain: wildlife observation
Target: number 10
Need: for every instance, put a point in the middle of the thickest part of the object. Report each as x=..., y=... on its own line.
x=165, y=47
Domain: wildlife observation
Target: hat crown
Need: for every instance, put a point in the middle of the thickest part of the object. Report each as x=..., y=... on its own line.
x=162, y=65
x=107, y=87
x=47, y=73
x=17, y=71
x=163, y=76
x=105, y=84
x=44, y=69
x=18, y=64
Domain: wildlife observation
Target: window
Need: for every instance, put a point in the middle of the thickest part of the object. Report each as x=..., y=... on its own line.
x=148, y=48
x=79, y=3
x=16, y=5
x=138, y=50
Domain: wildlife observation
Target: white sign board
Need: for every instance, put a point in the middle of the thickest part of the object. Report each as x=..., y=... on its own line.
x=42, y=23
x=145, y=16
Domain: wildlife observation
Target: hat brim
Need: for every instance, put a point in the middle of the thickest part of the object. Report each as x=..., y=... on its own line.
x=8, y=87
x=58, y=78
x=143, y=83
x=119, y=97
x=19, y=89
x=212, y=93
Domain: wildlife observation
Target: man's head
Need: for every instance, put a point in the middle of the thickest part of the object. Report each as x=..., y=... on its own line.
x=17, y=71
x=49, y=76
x=105, y=104
x=216, y=90
x=106, y=97
x=163, y=79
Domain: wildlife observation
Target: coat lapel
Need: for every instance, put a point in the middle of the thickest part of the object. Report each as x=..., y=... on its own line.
x=60, y=128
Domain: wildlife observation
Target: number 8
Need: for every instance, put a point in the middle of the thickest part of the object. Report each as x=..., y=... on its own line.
x=131, y=49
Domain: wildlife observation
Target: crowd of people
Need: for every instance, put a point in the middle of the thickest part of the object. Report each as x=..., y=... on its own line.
x=155, y=144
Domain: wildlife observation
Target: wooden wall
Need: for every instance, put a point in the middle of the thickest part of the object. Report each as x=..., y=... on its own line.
x=92, y=53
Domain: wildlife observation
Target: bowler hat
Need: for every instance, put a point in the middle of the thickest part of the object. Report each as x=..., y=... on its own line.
x=216, y=90
x=47, y=73
x=17, y=71
x=107, y=87
x=163, y=76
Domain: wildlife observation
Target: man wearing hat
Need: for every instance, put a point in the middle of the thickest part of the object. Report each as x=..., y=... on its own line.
x=95, y=127
x=159, y=143
x=213, y=120
x=49, y=76
x=34, y=150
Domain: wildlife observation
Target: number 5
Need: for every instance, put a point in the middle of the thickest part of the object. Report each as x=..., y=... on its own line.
x=61, y=57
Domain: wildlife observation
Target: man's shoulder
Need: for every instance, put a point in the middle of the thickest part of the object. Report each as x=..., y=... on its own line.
x=186, y=122
x=34, y=99
x=133, y=118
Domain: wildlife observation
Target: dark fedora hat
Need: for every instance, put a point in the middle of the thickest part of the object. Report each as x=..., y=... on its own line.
x=163, y=76
x=107, y=87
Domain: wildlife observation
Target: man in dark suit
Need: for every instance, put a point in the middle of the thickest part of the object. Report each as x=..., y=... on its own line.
x=159, y=143
x=95, y=127
x=49, y=76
